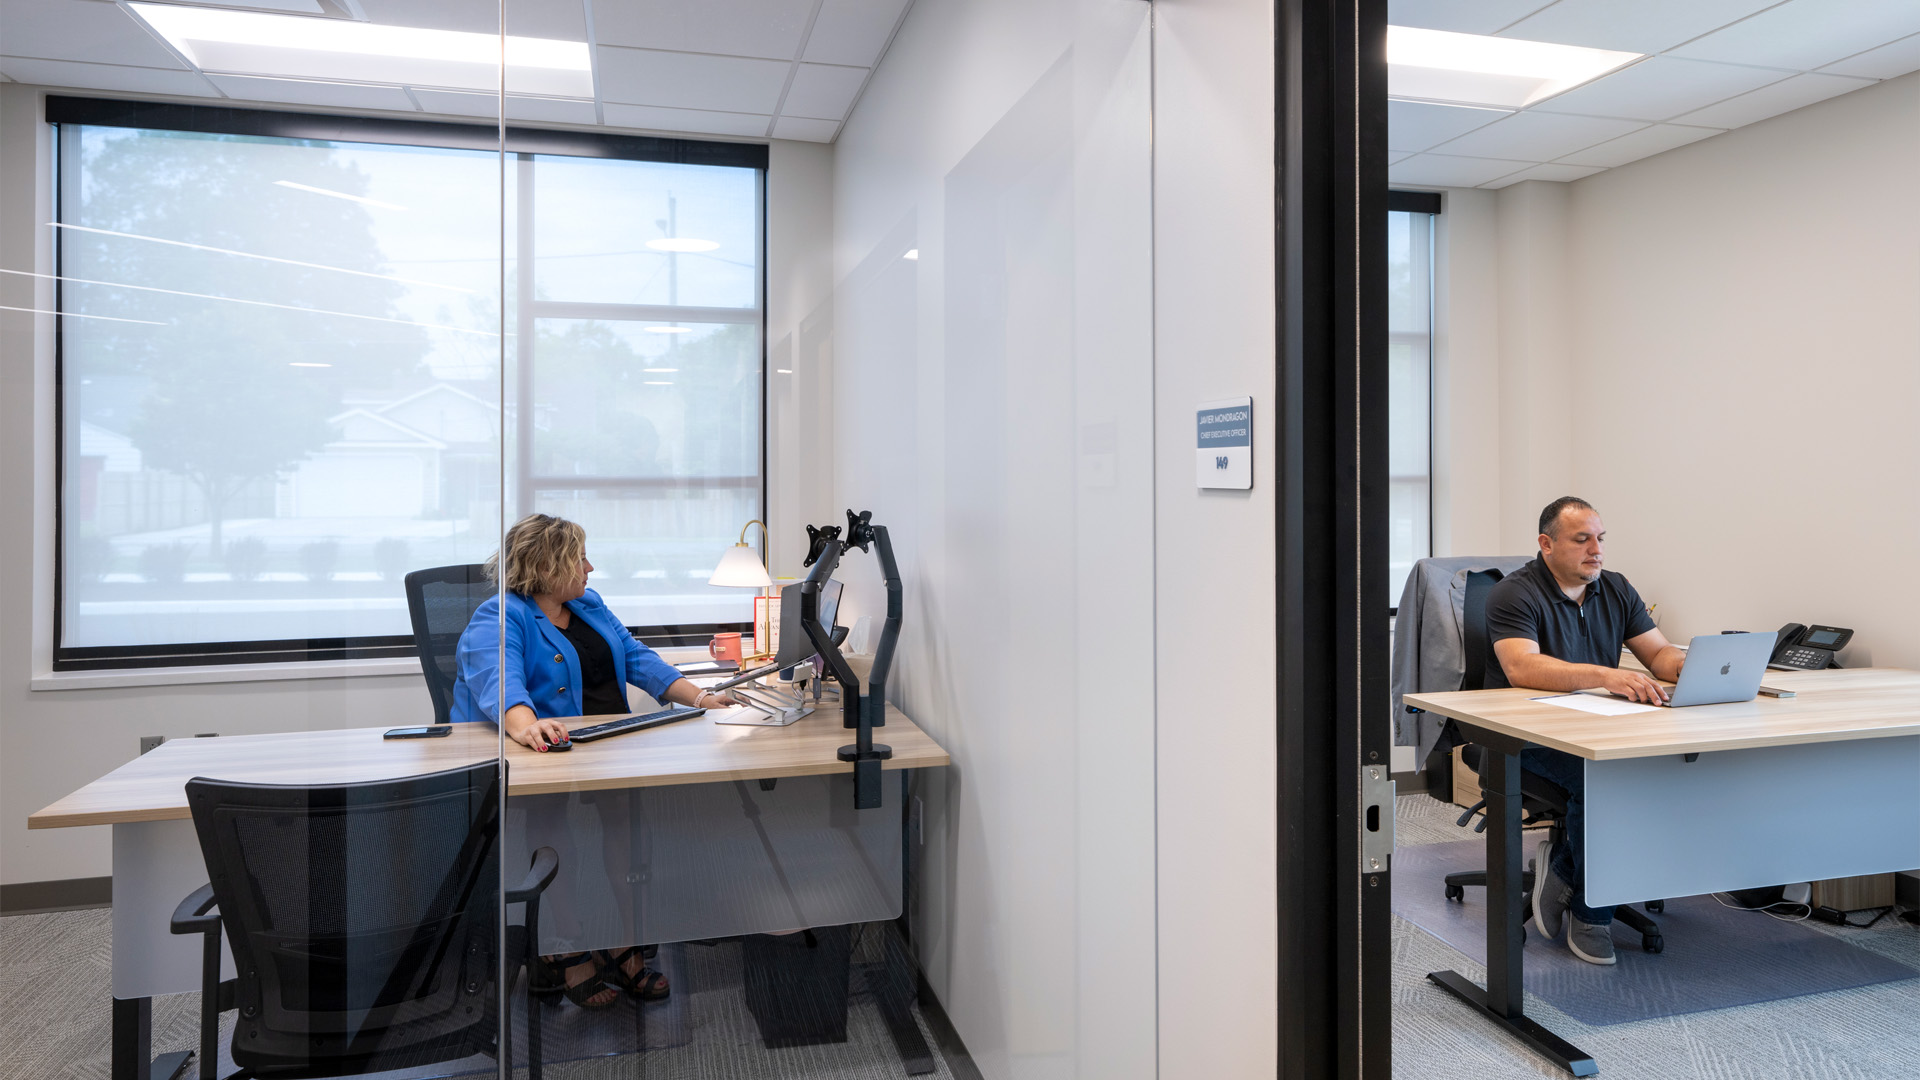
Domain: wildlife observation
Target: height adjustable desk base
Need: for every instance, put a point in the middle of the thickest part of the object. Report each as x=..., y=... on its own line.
x=1539, y=1039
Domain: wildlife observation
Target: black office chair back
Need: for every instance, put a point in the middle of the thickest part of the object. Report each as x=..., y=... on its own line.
x=1473, y=616
x=362, y=917
x=441, y=602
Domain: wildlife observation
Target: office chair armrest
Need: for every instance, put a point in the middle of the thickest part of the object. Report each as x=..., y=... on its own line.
x=192, y=917
x=539, y=876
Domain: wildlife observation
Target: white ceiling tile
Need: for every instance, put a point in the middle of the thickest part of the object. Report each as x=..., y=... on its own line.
x=688, y=81
x=1642, y=26
x=105, y=77
x=1806, y=34
x=80, y=30
x=533, y=109
x=1419, y=125
x=563, y=20
x=1395, y=157
x=1781, y=97
x=1461, y=16
x=764, y=28
x=1440, y=170
x=1660, y=87
x=1885, y=62
x=852, y=32
x=1633, y=146
x=653, y=118
x=805, y=130
x=306, y=92
x=1537, y=137
x=823, y=92
x=1557, y=173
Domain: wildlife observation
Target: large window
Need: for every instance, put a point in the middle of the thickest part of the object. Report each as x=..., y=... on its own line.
x=1409, y=384
x=281, y=372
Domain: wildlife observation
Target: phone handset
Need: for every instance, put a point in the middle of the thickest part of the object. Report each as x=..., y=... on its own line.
x=1790, y=635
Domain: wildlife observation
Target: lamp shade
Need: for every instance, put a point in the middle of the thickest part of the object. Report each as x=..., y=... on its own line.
x=741, y=568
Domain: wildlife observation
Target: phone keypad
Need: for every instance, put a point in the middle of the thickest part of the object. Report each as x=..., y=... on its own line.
x=1802, y=657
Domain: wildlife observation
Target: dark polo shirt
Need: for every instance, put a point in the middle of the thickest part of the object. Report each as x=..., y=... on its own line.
x=1528, y=604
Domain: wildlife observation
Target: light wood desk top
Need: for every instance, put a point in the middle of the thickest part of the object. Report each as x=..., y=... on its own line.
x=152, y=787
x=1829, y=706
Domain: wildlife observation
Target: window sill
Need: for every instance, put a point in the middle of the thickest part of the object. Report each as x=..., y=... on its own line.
x=243, y=673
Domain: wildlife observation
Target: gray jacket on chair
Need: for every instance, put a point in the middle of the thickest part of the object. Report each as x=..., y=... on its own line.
x=1429, y=645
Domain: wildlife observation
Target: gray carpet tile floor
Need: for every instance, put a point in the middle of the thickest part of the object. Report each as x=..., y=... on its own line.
x=55, y=1018
x=1870, y=1033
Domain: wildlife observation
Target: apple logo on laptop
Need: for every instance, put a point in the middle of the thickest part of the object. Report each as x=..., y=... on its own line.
x=1726, y=667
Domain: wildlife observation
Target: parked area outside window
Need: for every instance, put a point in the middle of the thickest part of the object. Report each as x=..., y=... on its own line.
x=281, y=383
x=1410, y=394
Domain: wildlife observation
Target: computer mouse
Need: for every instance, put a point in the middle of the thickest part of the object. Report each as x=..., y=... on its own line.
x=563, y=744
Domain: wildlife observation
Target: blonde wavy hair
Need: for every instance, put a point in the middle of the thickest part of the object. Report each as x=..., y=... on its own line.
x=542, y=553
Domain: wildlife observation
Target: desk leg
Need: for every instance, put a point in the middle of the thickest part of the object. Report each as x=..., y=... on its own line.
x=133, y=1044
x=893, y=983
x=1504, y=998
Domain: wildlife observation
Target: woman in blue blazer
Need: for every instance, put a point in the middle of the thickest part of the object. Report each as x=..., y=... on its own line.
x=566, y=655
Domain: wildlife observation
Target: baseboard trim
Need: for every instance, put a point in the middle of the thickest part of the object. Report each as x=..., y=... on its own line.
x=1409, y=783
x=952, y=1050
x=72, y=894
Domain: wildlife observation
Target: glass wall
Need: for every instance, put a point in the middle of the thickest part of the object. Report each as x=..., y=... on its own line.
x=1410, y=394
x=274, y=341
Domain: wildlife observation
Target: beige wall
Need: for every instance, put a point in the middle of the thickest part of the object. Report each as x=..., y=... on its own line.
x=1720, y=347
x=52, y=742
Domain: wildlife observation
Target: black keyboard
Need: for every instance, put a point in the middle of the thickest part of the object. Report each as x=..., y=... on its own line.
x=633, y=723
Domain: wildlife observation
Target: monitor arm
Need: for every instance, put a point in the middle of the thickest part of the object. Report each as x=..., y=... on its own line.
x=863, y=712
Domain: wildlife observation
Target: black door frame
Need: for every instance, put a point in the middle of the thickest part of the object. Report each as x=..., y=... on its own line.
x=1331, y=533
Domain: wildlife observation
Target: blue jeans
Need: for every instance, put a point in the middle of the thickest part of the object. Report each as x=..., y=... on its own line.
x=1569, y=773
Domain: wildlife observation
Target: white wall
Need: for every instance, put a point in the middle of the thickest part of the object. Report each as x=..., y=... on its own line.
x=1730, y=372
x=1214, y=568
x=52, y=742
x=993, y=405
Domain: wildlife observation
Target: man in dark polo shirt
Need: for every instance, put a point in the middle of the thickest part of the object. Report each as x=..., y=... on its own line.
x=1558, y=623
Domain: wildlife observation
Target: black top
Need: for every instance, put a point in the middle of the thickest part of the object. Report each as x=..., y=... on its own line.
x=599, y=693
x=1528, y=604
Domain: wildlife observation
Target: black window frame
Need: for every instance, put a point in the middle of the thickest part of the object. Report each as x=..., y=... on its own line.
x=433, y=134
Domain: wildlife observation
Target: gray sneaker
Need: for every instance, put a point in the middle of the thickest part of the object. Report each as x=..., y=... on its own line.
x=1550, y=895
x=1591, y=943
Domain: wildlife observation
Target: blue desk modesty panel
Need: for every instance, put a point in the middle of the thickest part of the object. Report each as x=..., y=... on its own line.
x=1736, y=819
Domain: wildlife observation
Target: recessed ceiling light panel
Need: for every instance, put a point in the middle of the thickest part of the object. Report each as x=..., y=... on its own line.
x=290, y=46
x=1472, y=69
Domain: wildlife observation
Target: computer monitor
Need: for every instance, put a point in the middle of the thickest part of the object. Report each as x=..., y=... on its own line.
x=795, y=646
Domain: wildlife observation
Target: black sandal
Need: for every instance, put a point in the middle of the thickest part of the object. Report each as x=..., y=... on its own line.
x=648, y=985
x=553, y=980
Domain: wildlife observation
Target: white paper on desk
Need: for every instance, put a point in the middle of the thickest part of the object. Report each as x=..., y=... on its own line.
x=1599, y=706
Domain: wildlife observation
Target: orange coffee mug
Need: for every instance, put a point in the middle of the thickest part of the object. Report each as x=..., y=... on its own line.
x=725, y=647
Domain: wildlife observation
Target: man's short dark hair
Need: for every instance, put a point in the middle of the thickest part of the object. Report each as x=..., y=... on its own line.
x=1551, y=515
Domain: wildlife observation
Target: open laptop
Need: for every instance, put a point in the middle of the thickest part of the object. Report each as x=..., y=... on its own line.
x=1722, y=668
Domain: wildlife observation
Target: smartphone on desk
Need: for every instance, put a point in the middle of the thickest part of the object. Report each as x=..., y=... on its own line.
x=435, y=731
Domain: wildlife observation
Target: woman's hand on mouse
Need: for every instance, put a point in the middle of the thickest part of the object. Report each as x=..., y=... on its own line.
x=533, y=732
x=543, y=733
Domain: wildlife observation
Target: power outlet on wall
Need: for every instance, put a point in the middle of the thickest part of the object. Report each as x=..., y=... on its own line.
x=149, y=742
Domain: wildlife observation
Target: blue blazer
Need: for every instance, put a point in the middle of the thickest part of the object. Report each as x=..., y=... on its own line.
x=543, y=671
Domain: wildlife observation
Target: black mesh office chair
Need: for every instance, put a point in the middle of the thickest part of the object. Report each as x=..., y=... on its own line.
x=1541, y=801
x=441, y=601
x=363, y=920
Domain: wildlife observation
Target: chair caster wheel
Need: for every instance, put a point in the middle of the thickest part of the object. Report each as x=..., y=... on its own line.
x=1654, y=944
x=1656, y=906
x=1456, y=894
